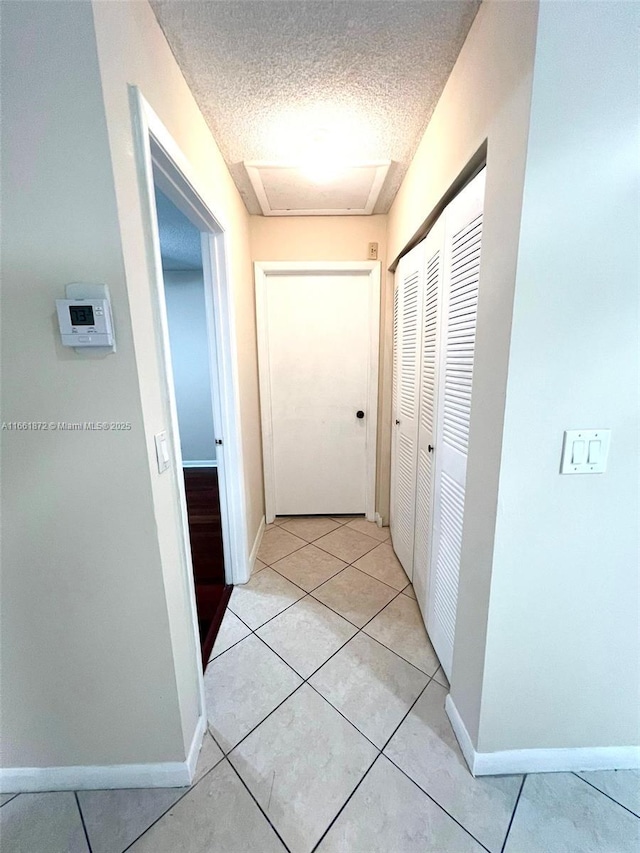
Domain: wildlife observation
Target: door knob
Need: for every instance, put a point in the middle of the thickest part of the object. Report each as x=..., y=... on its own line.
x=430, y=448
x=360, y=413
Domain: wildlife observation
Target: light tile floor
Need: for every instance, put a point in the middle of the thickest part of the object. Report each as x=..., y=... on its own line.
x=327, y=732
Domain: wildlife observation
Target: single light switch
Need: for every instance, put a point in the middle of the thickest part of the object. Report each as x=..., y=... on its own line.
x=585, y=451
x=595, y=448
x=162, y=451
x=579, y=452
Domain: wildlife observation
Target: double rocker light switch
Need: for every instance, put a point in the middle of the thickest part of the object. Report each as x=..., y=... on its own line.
x=584, y=451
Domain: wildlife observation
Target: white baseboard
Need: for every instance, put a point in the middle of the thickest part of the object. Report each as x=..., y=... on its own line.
x=553, y=760
x=461, y=733
x=378, y=519
x=196, y=745
x=253, y=556
x=170, y=774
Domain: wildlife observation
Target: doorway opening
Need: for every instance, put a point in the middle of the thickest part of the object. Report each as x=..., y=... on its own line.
x=195, y=343
x=194, y=388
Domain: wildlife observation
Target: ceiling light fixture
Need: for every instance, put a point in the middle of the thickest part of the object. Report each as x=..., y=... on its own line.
x=322, y=171
x=323, y=161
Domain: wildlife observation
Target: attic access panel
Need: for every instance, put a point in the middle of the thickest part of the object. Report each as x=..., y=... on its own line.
x=284, y=190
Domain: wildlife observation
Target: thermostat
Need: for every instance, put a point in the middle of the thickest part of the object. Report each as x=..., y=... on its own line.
x=85, y=317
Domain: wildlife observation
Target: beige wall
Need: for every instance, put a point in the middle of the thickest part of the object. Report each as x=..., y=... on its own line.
x=340, y=238
x=317, y=238
x=88, y=674
x=486, y=100
x=132, y=50
x=99, y=663
x=563, y=658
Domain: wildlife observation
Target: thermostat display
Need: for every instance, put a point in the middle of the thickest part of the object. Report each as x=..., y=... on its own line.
x=85, y=322
x=81, y=315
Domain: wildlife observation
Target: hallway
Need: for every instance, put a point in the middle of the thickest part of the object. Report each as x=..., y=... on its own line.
x=329, y=720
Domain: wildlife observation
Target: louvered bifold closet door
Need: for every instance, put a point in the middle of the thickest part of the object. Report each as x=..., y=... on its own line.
x=394, y=407
x=462, y=243
x=433, y=246
x=407, y=328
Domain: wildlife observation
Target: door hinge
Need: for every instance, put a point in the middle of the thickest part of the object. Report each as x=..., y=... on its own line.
x=218, y=441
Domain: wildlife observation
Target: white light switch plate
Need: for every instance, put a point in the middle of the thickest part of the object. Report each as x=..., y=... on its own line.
x=162, y=451
x=585, y=451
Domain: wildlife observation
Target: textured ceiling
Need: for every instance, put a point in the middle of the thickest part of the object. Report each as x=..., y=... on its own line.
x=179, y=238
x=276, y=78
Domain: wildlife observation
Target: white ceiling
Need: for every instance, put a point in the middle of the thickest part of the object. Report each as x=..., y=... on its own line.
x=279, y=80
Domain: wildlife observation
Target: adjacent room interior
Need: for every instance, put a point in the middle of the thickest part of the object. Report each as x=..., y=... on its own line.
x=194, y=386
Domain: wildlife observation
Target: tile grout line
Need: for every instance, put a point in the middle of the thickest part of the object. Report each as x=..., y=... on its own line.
x=314, y=541
x=84, y=826
x=397, y=654
x=380, y=753
x=375, y=746
x=266, y=817
x=308, y=593
x=359, y=629
x=433, y=800
x=187, y=791
x=604, y=794
x=273, y=710
x=344, y=717
x=344, y=805
x=513, y=814
x=11, y=798
x=306, y=681
x=413, y=704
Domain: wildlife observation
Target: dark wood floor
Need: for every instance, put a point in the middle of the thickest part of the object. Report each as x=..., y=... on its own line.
x=205, y=532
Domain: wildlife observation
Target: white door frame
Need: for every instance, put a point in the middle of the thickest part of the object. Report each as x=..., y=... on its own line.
x=160, y=161
x=264, y=269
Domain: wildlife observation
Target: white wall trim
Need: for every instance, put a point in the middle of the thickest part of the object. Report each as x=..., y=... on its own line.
x=552, y=760
x=263, y=269
x=253, y=556
x=170, y=774
x=199, y=463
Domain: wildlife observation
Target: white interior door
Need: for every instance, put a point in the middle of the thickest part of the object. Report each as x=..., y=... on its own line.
x=433, y=249
x=318, y=370
x=408, y=304
x=462, y=244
